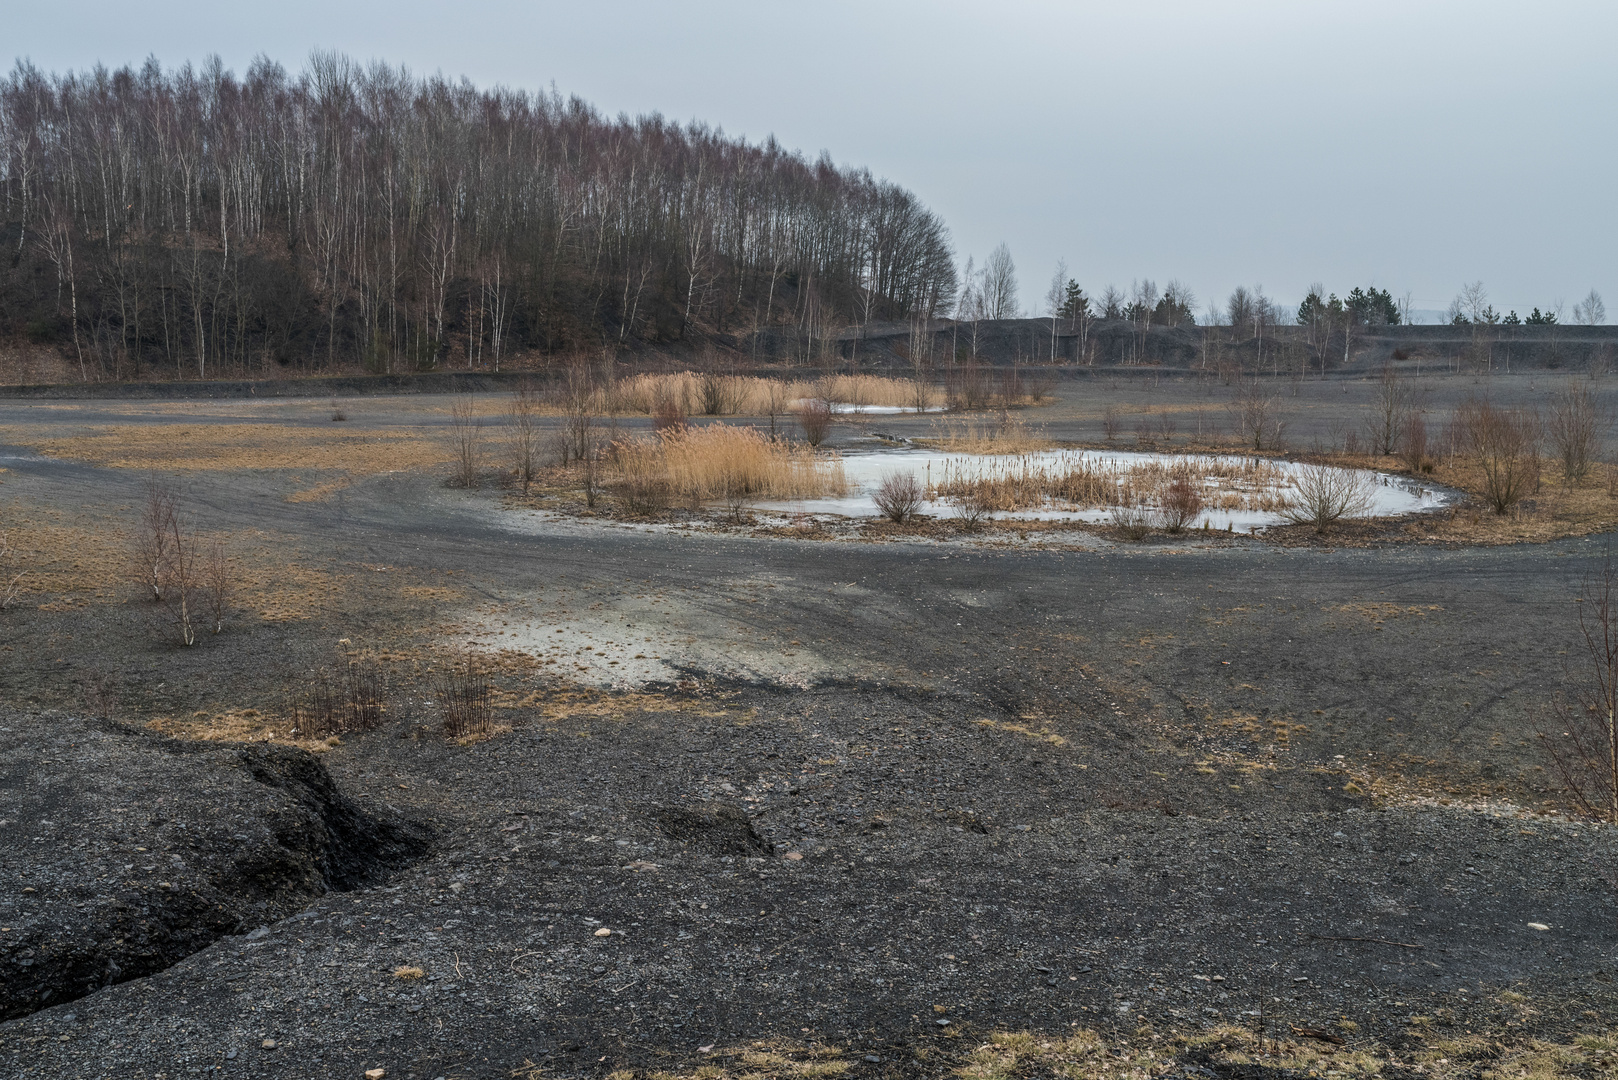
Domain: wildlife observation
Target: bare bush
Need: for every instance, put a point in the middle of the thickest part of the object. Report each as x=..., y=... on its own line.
x=1413, y=444
x=1583, y=742
x=1180, y=504
x=1256, y=415
x=466, y=436
x=1505, y=445
x=1110, y=422
x=719, y=395
x=348, y=697
x=525, y=435
x=1574, y=429
x=814, y=420
x=899, y=496
x=1391, y=412
x=465, y=698
x=1322, y=496
x=1133, y=519
x=218, y=585
x=972, y=503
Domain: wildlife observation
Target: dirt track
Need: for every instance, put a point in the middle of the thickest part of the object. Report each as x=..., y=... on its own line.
x=1035, y=788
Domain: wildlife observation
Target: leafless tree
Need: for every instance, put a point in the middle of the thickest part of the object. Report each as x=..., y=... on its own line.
x=1591, y=311
x=218, y=585
x=1255, y=413
x=200, y=222
x=999, y=287
x=1583, y=741
x=775, y=403
x=1574, y=428
x=1239, y=310
x=1391, y=409
x=466, y=440
x=525, y=434
x=1055, y=298
x=153, y=550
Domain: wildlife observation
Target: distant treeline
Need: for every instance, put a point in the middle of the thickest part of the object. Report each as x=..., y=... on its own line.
x=193, y=223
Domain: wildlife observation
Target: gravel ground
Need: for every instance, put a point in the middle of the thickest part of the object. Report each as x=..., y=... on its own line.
x=1007, y=788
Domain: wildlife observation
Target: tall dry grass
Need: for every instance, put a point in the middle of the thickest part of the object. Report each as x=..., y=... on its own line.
x=701, y=394
x=698, y=464
x=1005, y=434
x=1029, y=482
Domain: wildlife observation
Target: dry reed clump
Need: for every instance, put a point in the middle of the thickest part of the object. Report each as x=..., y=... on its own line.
x=1004, y=435
x=696, y=464
x=690, y=393
x=1176, y=489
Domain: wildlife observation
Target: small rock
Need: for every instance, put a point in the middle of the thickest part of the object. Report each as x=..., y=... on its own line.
x=230, y=1055
x=268, y=1044
x=603, y=932
x=1538, y=926
x=873, y=1059
x=375, y=1074
x=795, y=856
x=942, y=1023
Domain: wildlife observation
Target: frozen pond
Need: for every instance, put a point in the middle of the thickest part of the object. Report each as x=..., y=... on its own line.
x=849, y=408
x=1239, y=492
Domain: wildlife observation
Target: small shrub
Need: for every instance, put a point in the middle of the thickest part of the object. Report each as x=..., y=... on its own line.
x=1505, y=444
x=338, y=414
x=814, y=420
x=1413, y=446
x=1181, y=503
x=1574, y=428
x=1132, y=519
x=899, y=496
x=972, y=502
x=1110, y=422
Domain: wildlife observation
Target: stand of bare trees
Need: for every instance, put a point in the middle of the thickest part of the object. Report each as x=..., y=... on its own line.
x=192, y=583
x=190, y=223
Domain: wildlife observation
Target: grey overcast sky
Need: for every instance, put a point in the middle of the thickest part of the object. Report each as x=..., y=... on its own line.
x=1412, y=145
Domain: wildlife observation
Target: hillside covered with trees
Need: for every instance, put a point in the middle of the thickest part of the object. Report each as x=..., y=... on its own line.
x=195, y=224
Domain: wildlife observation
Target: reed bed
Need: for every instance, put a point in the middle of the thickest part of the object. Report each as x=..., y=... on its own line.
x=1006, y=435
x=1028, y=482
x=698, y=464
x=700, y=394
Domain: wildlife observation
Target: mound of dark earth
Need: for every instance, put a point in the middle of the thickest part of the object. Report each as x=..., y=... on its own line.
x=121, y=853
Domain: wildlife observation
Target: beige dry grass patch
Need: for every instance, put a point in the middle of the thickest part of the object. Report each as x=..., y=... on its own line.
x=221, y=447
x=319, y=492
x=237, y=725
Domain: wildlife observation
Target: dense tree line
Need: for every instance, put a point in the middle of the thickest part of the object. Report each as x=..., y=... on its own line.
x=198, y=223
